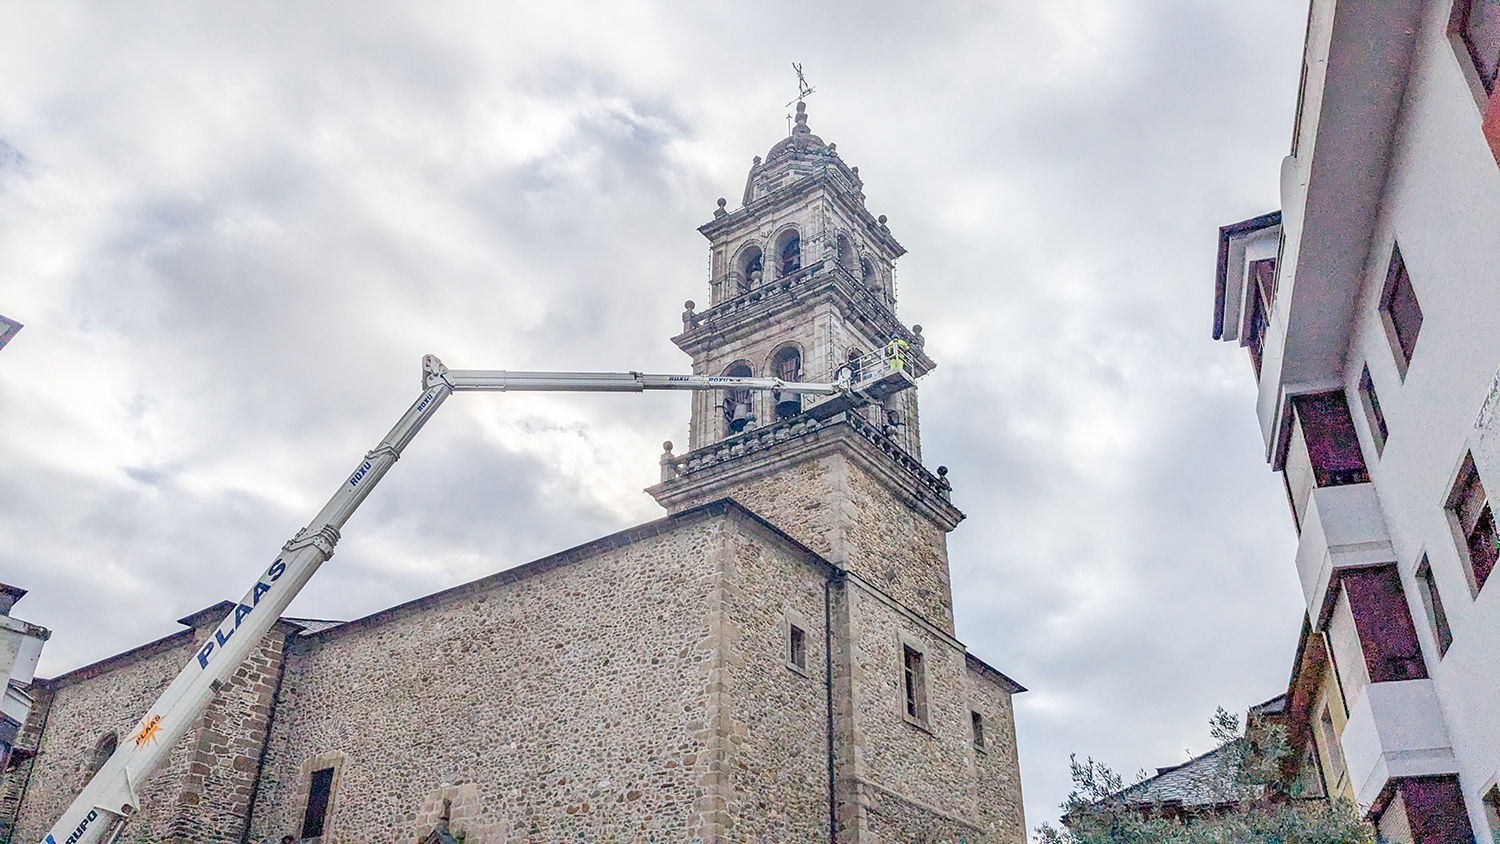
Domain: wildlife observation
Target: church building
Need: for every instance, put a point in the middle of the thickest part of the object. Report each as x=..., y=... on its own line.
x=775, y=660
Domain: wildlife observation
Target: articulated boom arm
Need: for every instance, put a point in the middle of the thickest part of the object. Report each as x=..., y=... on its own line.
x=112, y=795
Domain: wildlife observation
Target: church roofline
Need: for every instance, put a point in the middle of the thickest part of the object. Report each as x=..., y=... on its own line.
x=619, y=539
x=151, y=648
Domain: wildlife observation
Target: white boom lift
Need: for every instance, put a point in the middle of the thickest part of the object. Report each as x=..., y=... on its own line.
x=100, y=810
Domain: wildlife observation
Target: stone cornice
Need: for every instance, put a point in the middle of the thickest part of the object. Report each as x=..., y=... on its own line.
x=822, y=281
x=765, y=451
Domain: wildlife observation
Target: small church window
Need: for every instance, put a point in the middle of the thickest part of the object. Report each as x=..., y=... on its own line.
x=978, y=729
x=103, y=749
x=319, y=789
x=797, y=647
x=914, y=679
x=791, y=253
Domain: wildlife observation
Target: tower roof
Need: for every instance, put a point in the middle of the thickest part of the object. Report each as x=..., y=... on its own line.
x=798, y=155
x=801, y=141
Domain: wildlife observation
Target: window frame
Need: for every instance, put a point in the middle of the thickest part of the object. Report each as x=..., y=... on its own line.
x=1397, y=278
x=976, y=722
x=796, y=648
x=913, y=685
x=310, y=828
x=1463, y=536
x=1432, y=604
x=1369, y=400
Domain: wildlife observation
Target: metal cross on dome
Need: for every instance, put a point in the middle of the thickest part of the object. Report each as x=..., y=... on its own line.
x=803, y=89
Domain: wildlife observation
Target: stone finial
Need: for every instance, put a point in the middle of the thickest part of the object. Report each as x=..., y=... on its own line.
x=916, y=331
x=720, y=212
x=756, y=162
x=689, y=319
x=668, y=462
x=945, y=487
x=833, y=147
x=880, y=220
x=801, y=118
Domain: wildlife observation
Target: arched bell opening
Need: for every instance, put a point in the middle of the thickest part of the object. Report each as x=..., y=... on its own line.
x=787, y=365
x=737, y=412
x=845, y=252
x=749, y=270
x=789, y=252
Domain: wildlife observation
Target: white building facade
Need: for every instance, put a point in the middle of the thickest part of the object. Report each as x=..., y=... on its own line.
x=1370, y=306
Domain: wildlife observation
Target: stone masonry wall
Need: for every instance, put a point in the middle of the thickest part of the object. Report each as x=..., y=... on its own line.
x=615, y=693
x=778, y=734
x=917, y=780
x=998, y=765
x=201, y=793
x=836, y=508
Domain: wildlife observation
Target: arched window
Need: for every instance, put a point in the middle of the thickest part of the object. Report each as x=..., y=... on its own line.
x=867, y=274
x=790, y=252
x=787, y=365
x=103, y=749
x=846, y=252
x=751, y=264
x=737, y=402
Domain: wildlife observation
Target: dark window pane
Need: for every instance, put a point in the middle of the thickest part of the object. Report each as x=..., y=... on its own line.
x=1433, y=601
x=798, y=651
x=317, y=803
x=1399, y=305
x=1373, y=415
x=1482, y=551
x=1332, y=444
x=978, y=729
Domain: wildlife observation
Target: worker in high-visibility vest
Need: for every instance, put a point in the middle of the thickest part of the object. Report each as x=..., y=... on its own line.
x=895, y=352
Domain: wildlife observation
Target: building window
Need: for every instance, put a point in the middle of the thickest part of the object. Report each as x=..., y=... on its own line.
x=1477, y=24
x=797, y=647
x=790, y=252
x=1261, y=293
x=1333, y=753
x=1399, y=311
x=1371, y=403
x=978, y=729
x=1473, y=524
x=1491, y=802
x=319, y=788
x=914, y=680
x=103, y=749
x=737, y=402
x=1432, y=601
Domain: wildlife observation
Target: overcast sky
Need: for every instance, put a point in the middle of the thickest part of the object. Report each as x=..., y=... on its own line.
x=232, y=230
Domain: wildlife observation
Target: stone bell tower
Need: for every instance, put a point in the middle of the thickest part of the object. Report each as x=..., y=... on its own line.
x=802, y=284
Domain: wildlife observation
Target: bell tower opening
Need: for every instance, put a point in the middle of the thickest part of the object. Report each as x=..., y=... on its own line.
x=787, y=365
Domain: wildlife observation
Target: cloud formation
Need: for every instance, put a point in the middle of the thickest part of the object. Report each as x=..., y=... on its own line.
x=232, y=231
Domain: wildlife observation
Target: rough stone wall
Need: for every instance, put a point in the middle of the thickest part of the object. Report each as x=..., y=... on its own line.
x=915, y=781
x=997, y=765
x=621, y=694
x=778, y=725
x=893, y=545
x=839, y=510
x=202, y=791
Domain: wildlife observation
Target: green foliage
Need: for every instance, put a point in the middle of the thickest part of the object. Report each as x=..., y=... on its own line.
x=1254, y=801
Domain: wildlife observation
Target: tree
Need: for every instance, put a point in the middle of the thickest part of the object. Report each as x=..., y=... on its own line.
x=1248, y=795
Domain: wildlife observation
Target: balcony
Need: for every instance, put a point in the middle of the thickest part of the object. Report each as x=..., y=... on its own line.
x=1342, y=527
x=1395, y=730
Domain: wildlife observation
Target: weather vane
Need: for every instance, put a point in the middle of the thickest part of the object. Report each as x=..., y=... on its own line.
x=803, y=89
